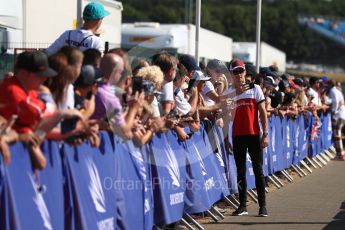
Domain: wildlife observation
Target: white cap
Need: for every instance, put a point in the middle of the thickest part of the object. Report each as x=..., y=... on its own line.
x=199, y=76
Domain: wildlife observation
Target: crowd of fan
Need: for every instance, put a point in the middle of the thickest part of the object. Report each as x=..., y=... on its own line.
x=71, y=95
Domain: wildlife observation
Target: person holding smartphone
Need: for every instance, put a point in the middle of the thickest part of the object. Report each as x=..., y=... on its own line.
x=108, y=108
x=19, y=96
x=246, y=135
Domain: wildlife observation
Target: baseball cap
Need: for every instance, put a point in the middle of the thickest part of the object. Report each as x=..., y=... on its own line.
x=218, y=66
x=314, y=80
x=268, y=72
x=86, y=77
x=199, y=76
x=284, y=83
x=235, y=64
x=269, y=82
x=324, y=79
x=94, y=11
x=293, y=84
x=276, y=98
x=189, y=62
x=299, y=82
x=149, y=87
x=35, y=62
x=250, y=68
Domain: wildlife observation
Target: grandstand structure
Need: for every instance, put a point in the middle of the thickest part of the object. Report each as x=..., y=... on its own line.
x=333, y=29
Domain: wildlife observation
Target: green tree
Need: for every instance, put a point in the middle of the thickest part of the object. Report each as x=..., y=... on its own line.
x=237, y=19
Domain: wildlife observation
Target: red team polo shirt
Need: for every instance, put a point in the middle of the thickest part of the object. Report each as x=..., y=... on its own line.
x=246, y=120
x=15, y=100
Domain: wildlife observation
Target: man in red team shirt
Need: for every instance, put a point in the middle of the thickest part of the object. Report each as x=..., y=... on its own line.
x=246, y=136
x=19, y=97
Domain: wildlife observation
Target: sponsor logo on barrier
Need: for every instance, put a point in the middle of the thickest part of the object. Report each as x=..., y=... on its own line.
x=140, y=160
x=107, y=224
x=41, y=205
x=201, y=162
x=248, y=158
x=225, y=177
x=220, y=159
x=173, y=169
x=251, y=172
x=209, y=183
x=304, y=146
x=288, y=137
x=203, y=169
x=176, y=198
x=329, y=136
x=95, y=187
x=146, y=206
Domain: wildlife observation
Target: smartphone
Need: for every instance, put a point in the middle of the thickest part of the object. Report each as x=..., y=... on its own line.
x=217, y=84
x=136, y=84
x=190, y=134
x=68, y=125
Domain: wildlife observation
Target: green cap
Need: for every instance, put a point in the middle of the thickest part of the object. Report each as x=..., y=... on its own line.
x=94, y=11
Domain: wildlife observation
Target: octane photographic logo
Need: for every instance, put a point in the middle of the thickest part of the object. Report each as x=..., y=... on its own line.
x=95, y=187
x=40, y=203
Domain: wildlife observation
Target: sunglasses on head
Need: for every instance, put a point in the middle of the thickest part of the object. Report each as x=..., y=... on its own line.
x=238, y=71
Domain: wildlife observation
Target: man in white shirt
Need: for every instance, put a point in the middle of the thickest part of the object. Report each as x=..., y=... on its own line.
x=182, y=105
x=215, y=70
x=338, y=118
x=168, y=64
x=85, y=37
x=246, y=136
x=314, y=91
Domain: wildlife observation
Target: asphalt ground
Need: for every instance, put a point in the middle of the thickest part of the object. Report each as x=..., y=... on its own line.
x=316, y=201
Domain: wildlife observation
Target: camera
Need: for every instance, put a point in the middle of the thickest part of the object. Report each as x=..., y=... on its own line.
x=173, y=115
x=141, y=85
x=217, y=84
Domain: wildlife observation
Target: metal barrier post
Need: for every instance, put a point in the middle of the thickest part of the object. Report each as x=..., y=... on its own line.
x=274, y=182
x=299, y=168
x=318, y=163
x=234, y=199
x=298, y=172
x=194, y=221
x=277, y=179
x=311, y=162
x=329, y=154
x=185, y=223
x=306, y=166
x=252, y=196
x=324, y=156
x=214, y=218
x=214, y=209
x=332, y=148
x=321, y=160
x=229, y=202
x=287, y=176
x=254, y=193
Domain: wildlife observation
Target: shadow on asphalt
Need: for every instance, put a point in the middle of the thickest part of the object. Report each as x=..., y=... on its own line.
x=275, y=222
x=339, y=220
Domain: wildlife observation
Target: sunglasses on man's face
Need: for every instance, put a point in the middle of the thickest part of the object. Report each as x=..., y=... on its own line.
x=238, y=71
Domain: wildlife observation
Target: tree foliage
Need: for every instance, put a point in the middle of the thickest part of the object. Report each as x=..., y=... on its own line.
x=237, y=19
